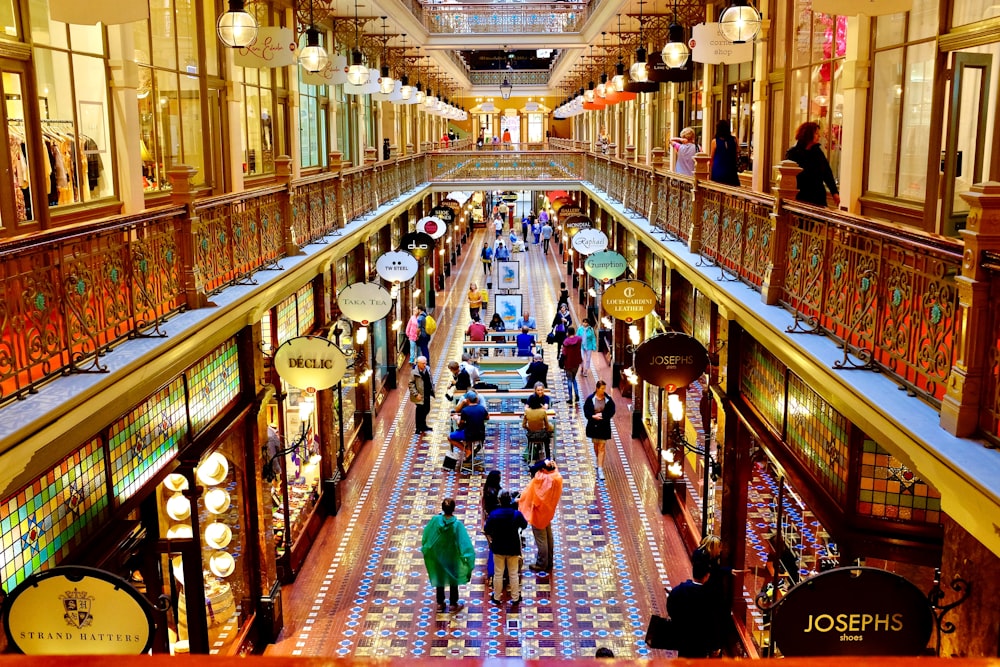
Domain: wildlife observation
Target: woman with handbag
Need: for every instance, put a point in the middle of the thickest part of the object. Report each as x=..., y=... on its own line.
x=570, y=361
x=560, y=323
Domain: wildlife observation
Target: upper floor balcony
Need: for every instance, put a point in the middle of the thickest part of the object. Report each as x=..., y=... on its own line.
x=515, y=18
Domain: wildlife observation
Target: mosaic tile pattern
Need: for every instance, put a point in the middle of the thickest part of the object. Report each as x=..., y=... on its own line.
x=45, y=519
x=212, y=384
x=142, y=441
x=306, y=307
x=288, y=326
x=890, y=490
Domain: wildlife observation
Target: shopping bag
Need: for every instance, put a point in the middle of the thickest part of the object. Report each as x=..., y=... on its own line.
x=450, y=462
x=661, y=633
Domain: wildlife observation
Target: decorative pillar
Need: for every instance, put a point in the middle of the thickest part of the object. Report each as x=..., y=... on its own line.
x=371, y=155
x=960, y=407
x=787, y=188
x=702, y=171
x=630, y=153
x=657, y=158
x=181, y=194
x=283, y=174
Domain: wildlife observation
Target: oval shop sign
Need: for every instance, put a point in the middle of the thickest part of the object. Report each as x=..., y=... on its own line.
x=671, y=360
x=628, y=300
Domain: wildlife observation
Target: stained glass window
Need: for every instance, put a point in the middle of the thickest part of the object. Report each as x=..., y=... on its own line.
x=684, y=317
x=287, y=325
x=762, y=382
x=817, y=436
x=307, y=309
x=212, y=384
x=48, y=517
x=702, y=319
x=142, y=441
x=890, y=490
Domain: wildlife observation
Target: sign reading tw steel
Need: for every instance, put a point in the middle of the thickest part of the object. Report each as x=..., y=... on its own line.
x=396, y=266
x=671, y=360
x=853, y=611
x=629, y=300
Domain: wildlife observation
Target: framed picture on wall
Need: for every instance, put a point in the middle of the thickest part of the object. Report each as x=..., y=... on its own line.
x=509, y=307
x=509, y=275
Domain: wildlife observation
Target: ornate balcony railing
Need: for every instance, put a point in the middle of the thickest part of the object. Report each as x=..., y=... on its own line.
x=503, y=19
x=504, y=165
x=516, y=77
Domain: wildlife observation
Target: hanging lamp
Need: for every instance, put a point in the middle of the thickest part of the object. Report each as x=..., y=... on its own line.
x=357, y=72
x=675, y=52
x=386, y=84
x=313, y=57
x=740, y=22
x=237, y=28
x=639, y=71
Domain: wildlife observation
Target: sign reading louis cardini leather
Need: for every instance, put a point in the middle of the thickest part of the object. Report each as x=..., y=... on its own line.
x=670, y=360
x=364, y=302
x=396, y=266
x=310, y=363
x=629, y=300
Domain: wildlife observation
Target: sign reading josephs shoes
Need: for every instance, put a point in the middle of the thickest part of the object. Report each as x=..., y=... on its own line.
x=396, y=266
x=853, y=611
x=671, y=360
x=310, y=363
x=78, y=611
x=588, y=241
x=364, y=302
x=628, y=300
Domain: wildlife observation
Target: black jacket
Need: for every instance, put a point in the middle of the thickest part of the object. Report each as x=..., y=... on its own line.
x=690, y=608
x=538, y=371
x=599, y=429
x=503, y=528
x=815, y=172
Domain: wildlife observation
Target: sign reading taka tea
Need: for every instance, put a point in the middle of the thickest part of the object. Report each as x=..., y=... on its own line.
x=629, y=300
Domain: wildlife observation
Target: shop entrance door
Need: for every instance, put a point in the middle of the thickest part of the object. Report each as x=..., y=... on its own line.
x=20, y=174
x=968, y=111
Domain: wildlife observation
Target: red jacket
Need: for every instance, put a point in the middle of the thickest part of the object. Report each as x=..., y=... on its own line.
x=571, y=348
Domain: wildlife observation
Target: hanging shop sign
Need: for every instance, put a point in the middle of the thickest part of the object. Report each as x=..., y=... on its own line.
x=310, y=363
x=417, y=244
x=853, y=611
x=444, y=213
x=78, y=611
x=575, y=223
x=589, y=241
x=396, y=266
x=433, y=226
x=670, y=360
x=364, y=302
x=568, y=210
x=605, y=265
x=274, y=47
x=710, y=47
x=335, y=72
x=660, y=73
x=629, y=300
x=866, y=7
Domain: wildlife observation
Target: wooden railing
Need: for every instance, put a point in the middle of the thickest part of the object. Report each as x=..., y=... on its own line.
x=890, y=296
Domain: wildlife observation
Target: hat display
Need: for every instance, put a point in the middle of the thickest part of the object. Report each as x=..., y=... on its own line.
x=213, y=469
x=175, y=482
x=222, y=564
x=178, y=507
x=218, y=535
x=179, y=531
x=216, y=501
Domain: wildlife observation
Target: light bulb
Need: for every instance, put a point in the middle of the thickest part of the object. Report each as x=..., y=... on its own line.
x=236, y=27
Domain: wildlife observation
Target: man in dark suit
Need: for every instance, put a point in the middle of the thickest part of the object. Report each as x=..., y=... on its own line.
x=538, y=371
x=690, y=608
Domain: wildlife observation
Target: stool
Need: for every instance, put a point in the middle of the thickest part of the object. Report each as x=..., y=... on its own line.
x=474, y=461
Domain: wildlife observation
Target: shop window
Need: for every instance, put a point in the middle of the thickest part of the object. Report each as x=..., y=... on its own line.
x=75, y=133
x=288, y=326
x=212, y=384
x=536, y=128
x=312, y=121
x=257, y=124
x=817, y=436
x=344, y=121
x=9, y=23
x=51, y=515
x=818, y=50
x=902, y=96
x=762, y=382
x=172, y=119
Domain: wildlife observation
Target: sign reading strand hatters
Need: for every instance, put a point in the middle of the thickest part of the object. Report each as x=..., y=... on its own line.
x=396, y=266
x=629, y=300
x=671, y=360
x=78, y=611
x=364, y=302
x=310, y=363
x=433, y=226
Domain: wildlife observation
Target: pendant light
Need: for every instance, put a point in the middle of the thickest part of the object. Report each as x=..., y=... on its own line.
x=739, y=23
x=675, y=52
x=313, y=57
x=601, y=90
x=619, y=80
x=386, y=83
x=638, y=71
x=506, y=87
x=237, y=28
x=357, y=72
x=405, y=90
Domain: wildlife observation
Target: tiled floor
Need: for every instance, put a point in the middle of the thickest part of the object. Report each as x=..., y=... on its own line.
x=364, y=590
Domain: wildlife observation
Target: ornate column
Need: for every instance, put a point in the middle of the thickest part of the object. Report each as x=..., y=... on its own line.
x=181, y=194
x=786, y=188
x=702, y=171
x=960, y=407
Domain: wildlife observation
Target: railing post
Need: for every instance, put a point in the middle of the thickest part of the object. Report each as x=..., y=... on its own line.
x=409, y=149
x=283, y=174
x=960, y=406
x=786, y=188
x=371, y=155
x=657, y=158
x=630, y=153
x=181, y=194
x=702, y=170
x=335, y=161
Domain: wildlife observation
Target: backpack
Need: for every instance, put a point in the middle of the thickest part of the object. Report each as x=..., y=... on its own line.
x=430, y=325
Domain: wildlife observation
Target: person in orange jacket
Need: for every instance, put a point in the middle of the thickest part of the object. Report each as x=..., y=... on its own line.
x=538, y=504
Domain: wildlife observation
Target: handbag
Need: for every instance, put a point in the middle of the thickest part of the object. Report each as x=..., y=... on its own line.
x=551, y=338
x=451, y=461
x=661, y=633
x=562, y=360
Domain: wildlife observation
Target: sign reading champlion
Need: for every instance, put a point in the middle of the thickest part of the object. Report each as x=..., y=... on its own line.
x=853, y=611
x=605, y=265
x=78, y=611
x=364, y=302
x=396, y=266
x=671, y=360
x=310, y=362
x=629, y=300
x=589, y=241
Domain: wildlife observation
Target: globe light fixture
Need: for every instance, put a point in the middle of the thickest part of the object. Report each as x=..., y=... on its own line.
x=419, y=95
x=739, y=23
x=618, y=81
x=386, y=84
x=675, y=52
x=406, y=90
x=638, y=71
x=313, y=57
x=237, y=28
x=357, y=72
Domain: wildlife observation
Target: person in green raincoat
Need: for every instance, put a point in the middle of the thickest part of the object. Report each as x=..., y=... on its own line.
x=448, y=554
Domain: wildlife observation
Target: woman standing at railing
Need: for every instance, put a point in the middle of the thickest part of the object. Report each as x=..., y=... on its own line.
x=816, y=171
x=685, y=147
x=725, y=154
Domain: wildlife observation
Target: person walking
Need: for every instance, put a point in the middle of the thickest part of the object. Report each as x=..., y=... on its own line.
x=498, y=226
x=816, y=171
x=506, y=139
x=423, y=338
x=536, y=229
x=421, y=392
x=491, y=501
x=502, y=253
x=525, y=227
x=487, y=256
x=449, y=555
x=599, y=410
x=589, y=336
x=412, y=334
x=725, y=153
x=572, y=356
x=560, y=323
x=475, y=298
x=538, y=504
x=690, y=609
x=685, y=147
x=503, y=530
x=546, y=236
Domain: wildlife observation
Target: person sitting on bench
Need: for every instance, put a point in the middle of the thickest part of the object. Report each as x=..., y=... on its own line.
x=471, y=425
x=538, y=371
x=525, y=342
x=538, y=429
